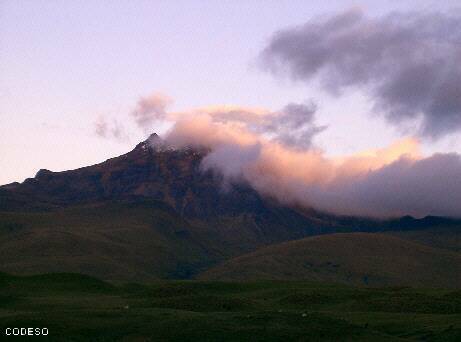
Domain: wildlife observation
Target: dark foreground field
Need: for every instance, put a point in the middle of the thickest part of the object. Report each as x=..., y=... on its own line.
x=79, y=308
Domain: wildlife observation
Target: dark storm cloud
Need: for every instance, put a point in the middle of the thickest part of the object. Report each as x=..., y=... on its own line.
x=408, y=63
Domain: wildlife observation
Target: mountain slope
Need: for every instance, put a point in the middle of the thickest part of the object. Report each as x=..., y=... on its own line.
x=152, y=170
x=353, y=258
x=119, y=240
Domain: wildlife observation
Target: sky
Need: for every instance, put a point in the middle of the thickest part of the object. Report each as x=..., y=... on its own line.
x=73, y=73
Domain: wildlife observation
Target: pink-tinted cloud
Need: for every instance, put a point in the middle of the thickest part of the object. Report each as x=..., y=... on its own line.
x=149, y=109
x=391, y=181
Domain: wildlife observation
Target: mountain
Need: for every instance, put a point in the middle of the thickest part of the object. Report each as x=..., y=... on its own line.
x=154, y=213
x=352, y=258
x=150, y=213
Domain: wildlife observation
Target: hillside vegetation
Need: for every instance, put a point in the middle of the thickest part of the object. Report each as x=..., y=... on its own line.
x=134, y=239
x=352, y=258
x=141, y=239
x=112, y=240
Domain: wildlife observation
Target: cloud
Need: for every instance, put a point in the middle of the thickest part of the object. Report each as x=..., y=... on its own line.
x=110, y=130
x=293, y=125
x=418, y=187
x=392, y=181
x=101, y=127
x=407, y=63
x=274, y=153
x=150, y=109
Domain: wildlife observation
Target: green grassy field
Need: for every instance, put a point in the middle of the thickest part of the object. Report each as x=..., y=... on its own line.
x=80, y=308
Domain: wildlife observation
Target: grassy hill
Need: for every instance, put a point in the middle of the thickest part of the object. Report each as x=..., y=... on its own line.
x=112, y=240
x=80, y=308
x=135, y=239
x=146, y=239
x=352, y=258
x=142, y=239
x=439, y=237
